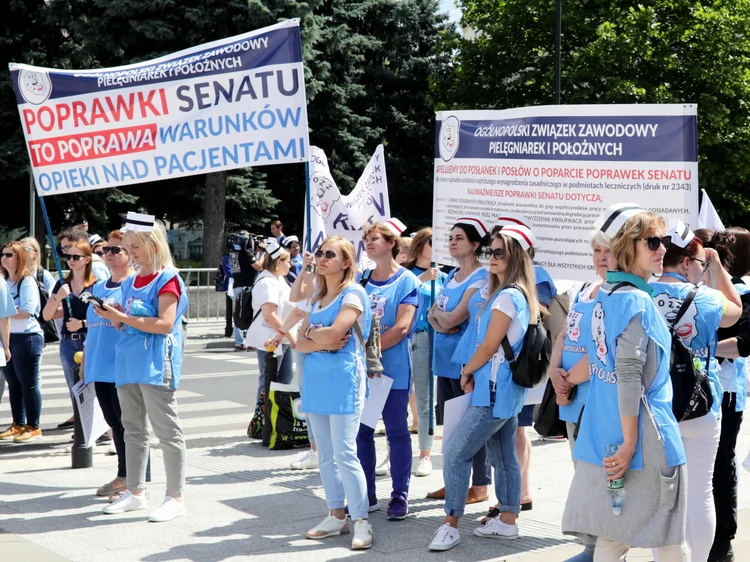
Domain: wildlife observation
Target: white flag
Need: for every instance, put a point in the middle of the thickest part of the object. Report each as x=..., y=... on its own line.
x=368, y=202
x=707, y=216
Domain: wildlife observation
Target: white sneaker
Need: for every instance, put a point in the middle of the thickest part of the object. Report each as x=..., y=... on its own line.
x=362, y=539
x=309, y=460
x=380, y=428
x=383, y=468
x=331, y=526
x=446, y=537
x=128, y=502
x=170, y=509
x=425, y=467
x=496, y=529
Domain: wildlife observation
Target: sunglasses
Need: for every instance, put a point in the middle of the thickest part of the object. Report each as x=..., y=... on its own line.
x=497, y=253
x=704, y=263
x=7, y=254
x=114, y=249
x=653, y=242
x=329, y=255
x=429, y=241
x=69, y=257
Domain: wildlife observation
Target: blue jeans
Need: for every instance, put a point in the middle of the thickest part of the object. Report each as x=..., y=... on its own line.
x=68, y=348
x=420, y=348
x=22, y=375
x=340, y=470
x=395, y=413
x=284, y=368
x=477, y=428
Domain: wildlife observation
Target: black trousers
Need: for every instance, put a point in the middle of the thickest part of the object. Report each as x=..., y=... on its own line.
x=725, y=478
x=106, y=393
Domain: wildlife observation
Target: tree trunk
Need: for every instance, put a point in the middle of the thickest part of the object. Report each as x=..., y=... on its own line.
x=213, y=219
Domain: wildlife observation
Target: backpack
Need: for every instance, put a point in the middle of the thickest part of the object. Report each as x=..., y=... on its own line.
x=255, y=429
x=47, y=326
x=371, y=345
x=530, y=365
x=243, y=309
x=691, y=390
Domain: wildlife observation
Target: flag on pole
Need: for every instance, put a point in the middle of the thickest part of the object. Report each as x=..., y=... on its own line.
x=707, y=216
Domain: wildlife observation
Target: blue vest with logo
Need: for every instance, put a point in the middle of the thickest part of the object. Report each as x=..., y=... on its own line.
x=577, y=337
x=740, y=364
x=509, y=397
x=601, y=423
x=445, y=344
x=697, y=327
x=102, y=337
x=384, y=301
x=468, y=342
x=142, y=357
x=334, y=381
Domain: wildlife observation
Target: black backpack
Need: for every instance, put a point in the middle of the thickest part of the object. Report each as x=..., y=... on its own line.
x=48, y=326
x=530, y=366
x=243, y=309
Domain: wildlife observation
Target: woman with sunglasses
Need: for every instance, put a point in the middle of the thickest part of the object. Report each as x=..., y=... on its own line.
x=99, y=355
x=449, y=317
x=419, y=262
x=65, y=297
x=716, y=304
x=31, y=245
x=393, y=293
x=333, y=388
x=26, y=343
x=629, y=407
x=496, y=400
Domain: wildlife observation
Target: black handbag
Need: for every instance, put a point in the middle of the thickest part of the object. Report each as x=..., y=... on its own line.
x=547, y=422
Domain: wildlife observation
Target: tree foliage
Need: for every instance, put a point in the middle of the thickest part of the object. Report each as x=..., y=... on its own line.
x=616, y=51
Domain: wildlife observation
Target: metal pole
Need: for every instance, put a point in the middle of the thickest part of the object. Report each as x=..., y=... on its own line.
x=431, y=335
x=558, y=48
x=308, y=208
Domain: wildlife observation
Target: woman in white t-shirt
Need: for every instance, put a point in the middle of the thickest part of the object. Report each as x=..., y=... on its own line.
x=271, y=306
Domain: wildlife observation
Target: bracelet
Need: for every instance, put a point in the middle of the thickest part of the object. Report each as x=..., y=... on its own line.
x=282, y=332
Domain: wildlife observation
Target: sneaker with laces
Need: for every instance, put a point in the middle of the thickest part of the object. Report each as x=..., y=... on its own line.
x=425, y=467
x=331, y=526
x=496, y=529
x=13, y=431
x=308, y=461
x=398, y=509
x=362, y=539
x=446, y=537
x=168, y=510
x=383, y=468
x=128, y=502
x=28, y=435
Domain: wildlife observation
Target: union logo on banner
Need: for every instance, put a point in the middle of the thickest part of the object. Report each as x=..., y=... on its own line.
x=449, y=138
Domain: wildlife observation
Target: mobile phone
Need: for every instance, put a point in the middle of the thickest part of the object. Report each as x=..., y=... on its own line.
x=91, y=299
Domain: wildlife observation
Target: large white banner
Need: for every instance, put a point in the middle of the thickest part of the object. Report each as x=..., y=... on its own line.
x=233, y=103
x=560, y=166
x=334, y=214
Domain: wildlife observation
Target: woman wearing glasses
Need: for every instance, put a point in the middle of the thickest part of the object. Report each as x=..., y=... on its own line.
x=65, y=296
x=333, y=388
x=629, y=407
x=99, y=356
x=496, y=400
x=716, y=304
x=31, y=245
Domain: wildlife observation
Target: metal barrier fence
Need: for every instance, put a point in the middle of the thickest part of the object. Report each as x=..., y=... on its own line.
x=204, y=302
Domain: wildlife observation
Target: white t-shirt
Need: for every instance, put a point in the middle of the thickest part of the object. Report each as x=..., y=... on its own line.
x=477, y=284
x=268, y=289
x=355, y=300
x=504, y=303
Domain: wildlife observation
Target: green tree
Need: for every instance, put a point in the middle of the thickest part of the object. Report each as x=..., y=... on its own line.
x=618, y=51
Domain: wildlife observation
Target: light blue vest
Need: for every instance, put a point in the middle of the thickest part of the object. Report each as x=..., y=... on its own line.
x=142, y=358
x=740, y=364
x=334, y=381
x=445, y=344
x=384, y=301
x=545, y=286
x=468, y=342
x=601, y=423
x=102, y=337
x=509, y=397
x=698, y=326
x=577, y=337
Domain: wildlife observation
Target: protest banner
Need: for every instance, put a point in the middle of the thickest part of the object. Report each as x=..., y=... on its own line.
x=334, y=214
x=233, y=103
x=560, y=166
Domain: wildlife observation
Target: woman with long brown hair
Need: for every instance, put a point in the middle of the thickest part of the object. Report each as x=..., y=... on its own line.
x=26, y=344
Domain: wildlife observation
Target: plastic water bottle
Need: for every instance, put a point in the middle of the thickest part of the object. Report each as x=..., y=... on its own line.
x=616, y=487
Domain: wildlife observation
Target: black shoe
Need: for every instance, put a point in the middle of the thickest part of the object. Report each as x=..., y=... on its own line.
x=104, y=439
x=65, y=425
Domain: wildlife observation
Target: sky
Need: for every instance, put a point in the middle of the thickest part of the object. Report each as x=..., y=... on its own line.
x=449, y=6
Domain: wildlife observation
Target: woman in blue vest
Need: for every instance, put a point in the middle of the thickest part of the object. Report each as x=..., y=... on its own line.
x=733, y=247
x=715, y=305
x=629, y=408
x=148, y=365
x=393, y=293
x=98, y=358
x=334, y=386
x=496, y=399
x=449, y=317
x=419, y=262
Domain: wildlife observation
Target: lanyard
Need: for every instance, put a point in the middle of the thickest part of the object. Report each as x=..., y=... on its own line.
x=675, y=276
